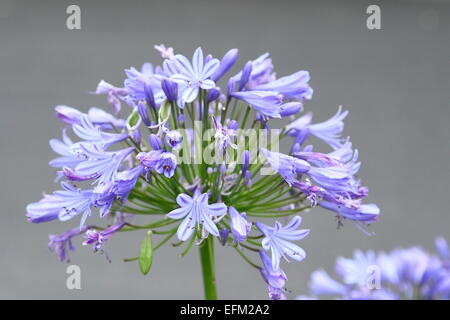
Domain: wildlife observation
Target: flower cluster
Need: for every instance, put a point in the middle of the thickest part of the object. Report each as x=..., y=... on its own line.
x=177, y=144
x=401, y=274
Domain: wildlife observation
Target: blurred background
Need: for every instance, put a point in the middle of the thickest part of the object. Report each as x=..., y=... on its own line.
x=395, y=82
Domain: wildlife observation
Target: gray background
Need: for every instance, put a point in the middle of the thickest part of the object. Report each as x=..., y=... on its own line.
x=395, y=82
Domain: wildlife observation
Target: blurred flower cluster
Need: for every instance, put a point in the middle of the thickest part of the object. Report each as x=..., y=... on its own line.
x=200, y=161
x=400, y=274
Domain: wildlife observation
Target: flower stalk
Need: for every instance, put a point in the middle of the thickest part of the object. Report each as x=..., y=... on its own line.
x=208, y=268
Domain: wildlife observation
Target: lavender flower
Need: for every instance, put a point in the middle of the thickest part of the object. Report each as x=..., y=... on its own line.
x=62, y=243
x=239, y=225
x=98, y=238
x=196, y=211
x=87, y=131
x=97, y=116
x=68, y=158
x=275, y=278
x=400, y=274
x=328, y=131
x=142, y=109
x=226, y=63
x=224, y=135
x=63, y=205
x=196, y=75
x=286, y=166
x=155, y=142
x=150, y=159
x=113, y=94
x=267, y=102
x=294, y=86
x=367, y=213
x=101, y=164
x=166, y=164
x=278, y=238
x=174, y=139
x=170, y=89
x=145, y=85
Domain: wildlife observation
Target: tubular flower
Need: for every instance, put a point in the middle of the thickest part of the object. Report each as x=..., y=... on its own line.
x=196, y=211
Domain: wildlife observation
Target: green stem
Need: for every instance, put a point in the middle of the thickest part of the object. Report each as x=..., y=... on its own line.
x=207, y=260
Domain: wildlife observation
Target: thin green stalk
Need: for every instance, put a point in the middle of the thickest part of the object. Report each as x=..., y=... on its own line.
x=208, y=268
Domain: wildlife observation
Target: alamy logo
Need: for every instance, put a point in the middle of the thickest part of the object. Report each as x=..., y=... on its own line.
x=73, y=281
x=373, y=21
x=73, y=21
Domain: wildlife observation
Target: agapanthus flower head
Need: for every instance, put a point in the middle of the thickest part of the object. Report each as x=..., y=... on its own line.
x=410, y=273
x=195, y=154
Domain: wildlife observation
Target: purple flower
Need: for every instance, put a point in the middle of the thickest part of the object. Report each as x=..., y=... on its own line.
x=294, y=86
x=226, y=63
x=278, y=238
x=408, y=273
x=224, y=135
x=245, y=76
x=142, y=109
x=62, y=243
x=321, y=283
x=275, y=278
x=213, y=94
x=104, y=165
x=68, y=114
x=291, y=108
x=113, y=94
x=173, y=139
x=98, y=238
x=286, y=166
x=196, y=211
x=119, y=189
x=196, y=75
x=88, y=132
x=150, y=159
x=166, y=164
x=223, y=235
x=166, y=53
x=170, y=89
x=268, y=103
x=68, y=158
x=239, y=225
x=145, y=85
x=155, y=142
x=442, y=249
x=73, y=116
x=366, y=213
x=328, y=131
x=62, y=204
x=261, y=73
